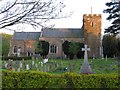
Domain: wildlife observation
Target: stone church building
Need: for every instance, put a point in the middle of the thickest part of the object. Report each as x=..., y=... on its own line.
x=23, y=43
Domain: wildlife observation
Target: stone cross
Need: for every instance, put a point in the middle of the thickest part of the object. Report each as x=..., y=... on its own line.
x=85, y=53
x=85, y=68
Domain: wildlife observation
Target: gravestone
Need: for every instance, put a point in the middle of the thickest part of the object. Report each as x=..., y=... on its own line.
x=33, y=62
x=102, y=56
x=44, y=68
x=17, y=64
x=106, y=58
x=27, y=67
x=85, y=68
x=6, y=65
x=41, y=66
x=21, y=64
x=36, y=65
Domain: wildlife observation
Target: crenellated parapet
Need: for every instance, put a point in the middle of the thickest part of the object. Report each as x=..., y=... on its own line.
x=92, y=15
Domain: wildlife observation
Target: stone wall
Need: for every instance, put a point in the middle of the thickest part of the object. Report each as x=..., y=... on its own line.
x=58, y=42
x=25, y=45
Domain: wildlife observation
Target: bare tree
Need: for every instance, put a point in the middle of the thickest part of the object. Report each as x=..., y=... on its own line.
x=33, y=12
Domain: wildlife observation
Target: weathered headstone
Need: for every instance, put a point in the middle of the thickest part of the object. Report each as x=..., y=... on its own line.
x=36, y=65
x=41, y=64
x=27, y=67
x=21, y=64
x=6, y=65
x=33, y=62
x=102, y=56
x=106, y=58
x=85, y=68
x=17, y=64
x=44, y=68
x=18, y=52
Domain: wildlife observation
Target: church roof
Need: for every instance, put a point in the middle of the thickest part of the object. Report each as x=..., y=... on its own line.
x=63, y=32
x=26, y=35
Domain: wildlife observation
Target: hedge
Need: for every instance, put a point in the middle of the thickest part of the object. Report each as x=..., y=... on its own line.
x=16, y=58
x=31, y=79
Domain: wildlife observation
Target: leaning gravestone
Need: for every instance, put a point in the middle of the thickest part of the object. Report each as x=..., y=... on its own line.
x=85, y=68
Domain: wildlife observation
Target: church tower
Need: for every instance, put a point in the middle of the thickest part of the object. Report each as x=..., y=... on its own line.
x=92, y=33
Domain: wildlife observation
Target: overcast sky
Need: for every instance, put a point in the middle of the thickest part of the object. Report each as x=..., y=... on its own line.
x=79, y=7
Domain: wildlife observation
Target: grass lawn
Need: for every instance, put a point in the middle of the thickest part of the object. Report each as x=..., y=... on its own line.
x=57, y=66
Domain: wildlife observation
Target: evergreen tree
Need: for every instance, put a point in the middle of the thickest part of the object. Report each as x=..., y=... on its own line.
x=110, y=45
x=118, y=47
x=65, y=46
x=45, y=48
x=42, y=48
x=74, y=48
x=38, y=48
x=5, y=44
x=114, y=15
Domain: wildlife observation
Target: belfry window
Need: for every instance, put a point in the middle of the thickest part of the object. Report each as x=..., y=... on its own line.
x=92, y=24
x=53, y=49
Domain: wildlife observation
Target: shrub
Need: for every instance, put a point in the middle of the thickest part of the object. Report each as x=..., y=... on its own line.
x=67, y=80
x=91, y=80
x=16, y=58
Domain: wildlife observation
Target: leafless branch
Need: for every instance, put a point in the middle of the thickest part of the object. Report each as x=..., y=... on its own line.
x=33, y=12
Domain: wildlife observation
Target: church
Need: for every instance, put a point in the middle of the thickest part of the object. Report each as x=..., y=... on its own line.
x=23, y=43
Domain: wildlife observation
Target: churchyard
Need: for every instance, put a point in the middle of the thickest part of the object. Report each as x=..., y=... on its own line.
x=59, y=66
x=32, y=73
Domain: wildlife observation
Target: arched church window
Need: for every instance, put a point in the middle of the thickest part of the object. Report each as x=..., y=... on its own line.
x=15, y=49
x=53, y=49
